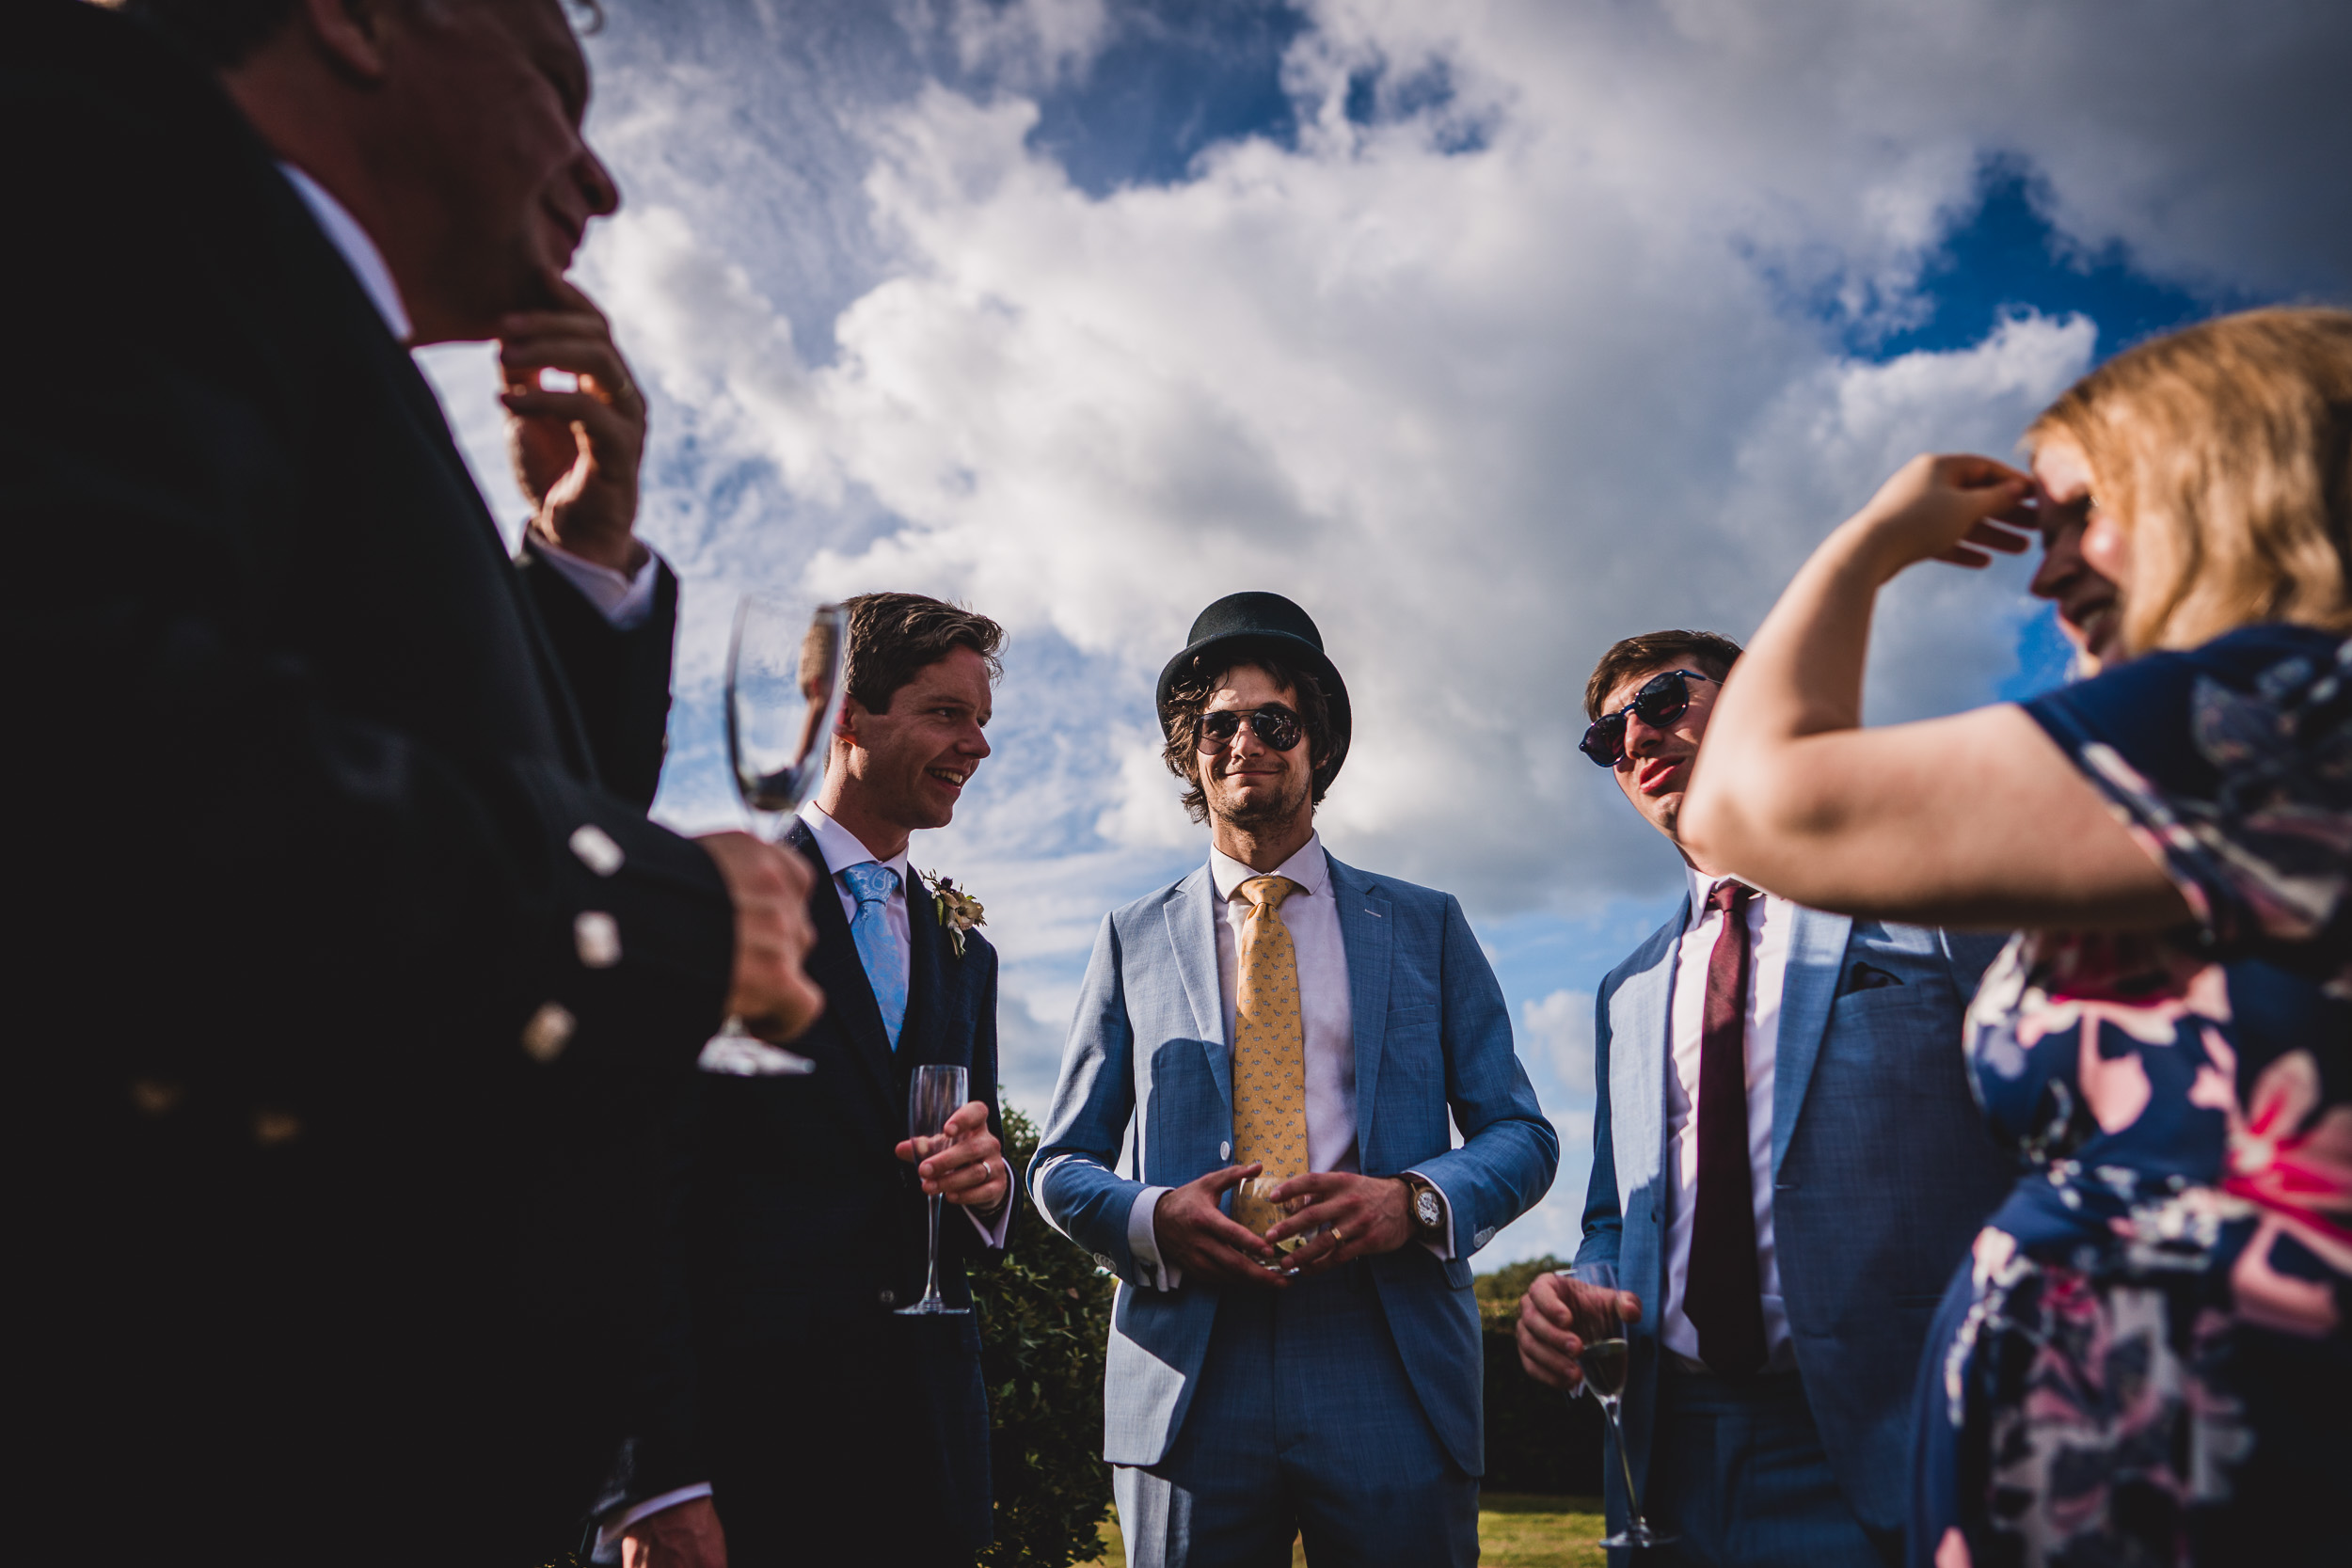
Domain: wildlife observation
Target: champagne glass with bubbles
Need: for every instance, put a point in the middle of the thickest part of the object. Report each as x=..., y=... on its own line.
x=783, y=697
x=1603, y=1363
x=936, y=1093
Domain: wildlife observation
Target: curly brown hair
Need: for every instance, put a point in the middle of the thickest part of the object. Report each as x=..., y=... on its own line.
x=1188, y=699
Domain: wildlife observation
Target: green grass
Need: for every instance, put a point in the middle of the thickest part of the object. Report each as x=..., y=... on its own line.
x=1514, y=1531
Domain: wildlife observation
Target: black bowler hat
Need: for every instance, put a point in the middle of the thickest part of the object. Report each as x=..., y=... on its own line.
x=1239, y=624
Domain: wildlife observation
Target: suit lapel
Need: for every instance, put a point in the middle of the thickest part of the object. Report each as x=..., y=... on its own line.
x=935, y=1002
x=1190, y=913
x=1817, y=954
x=834, y=966
x=1368, y=936
x=1643, y=1029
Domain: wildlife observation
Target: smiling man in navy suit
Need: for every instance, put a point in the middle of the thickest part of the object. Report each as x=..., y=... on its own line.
x=805, y=1417
x=1787, y=1165
x=1251, y=1132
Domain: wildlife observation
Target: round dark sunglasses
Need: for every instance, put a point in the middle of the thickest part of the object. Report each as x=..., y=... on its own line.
x=1662, y=700
x=1276, y=726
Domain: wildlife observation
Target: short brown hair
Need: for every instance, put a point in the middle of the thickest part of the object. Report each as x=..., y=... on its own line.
x=1713, y=652
x=1188, y=699
x=2225, y=450
x=894, y=637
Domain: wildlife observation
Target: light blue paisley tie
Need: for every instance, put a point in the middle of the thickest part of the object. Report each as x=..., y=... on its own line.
x=871, y=885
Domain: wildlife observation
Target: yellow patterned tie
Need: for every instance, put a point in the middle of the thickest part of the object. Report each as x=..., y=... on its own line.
x=1269, y=1053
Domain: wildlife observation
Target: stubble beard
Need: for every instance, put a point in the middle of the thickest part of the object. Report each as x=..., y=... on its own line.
x=1255, y=816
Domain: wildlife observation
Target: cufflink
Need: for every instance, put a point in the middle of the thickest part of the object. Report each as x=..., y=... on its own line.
x=596, y=850
x=547, y=1032
x=597, y=937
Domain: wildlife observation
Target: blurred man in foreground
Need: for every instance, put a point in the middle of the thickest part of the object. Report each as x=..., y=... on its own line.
x=357, y=959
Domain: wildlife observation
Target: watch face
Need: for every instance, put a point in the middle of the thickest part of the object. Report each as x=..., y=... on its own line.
x=1425, y=1205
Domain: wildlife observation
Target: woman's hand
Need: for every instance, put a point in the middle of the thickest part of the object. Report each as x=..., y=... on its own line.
x=1944, y=508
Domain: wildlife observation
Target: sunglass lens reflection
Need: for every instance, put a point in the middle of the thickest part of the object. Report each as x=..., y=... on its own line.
x=1661, y=701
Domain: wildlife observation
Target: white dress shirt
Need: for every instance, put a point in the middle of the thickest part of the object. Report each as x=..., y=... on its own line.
x=1769, y=921
x=1327, y=1016
x=625, y=598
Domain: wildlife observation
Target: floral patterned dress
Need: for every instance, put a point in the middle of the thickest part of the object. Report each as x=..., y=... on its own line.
x=2146, y=1360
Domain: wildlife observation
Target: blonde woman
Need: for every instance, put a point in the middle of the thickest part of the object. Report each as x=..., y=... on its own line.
x=2146, y=1358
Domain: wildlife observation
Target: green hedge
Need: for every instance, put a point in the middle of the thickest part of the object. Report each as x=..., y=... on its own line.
x=1537, y=1438
x=1044, y=1315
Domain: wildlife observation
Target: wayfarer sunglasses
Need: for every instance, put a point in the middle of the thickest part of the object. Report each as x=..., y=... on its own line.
x=1662, y=700
x=1274, y=725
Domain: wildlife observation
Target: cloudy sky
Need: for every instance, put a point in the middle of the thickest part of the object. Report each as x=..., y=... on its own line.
x=1489, y=330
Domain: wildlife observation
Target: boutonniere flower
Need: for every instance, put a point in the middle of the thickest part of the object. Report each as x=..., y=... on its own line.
x=958, y=910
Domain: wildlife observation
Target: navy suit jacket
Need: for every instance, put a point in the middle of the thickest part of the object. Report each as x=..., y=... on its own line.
x=1146, y=1098
x=796, y=1232
x=1882, y=1171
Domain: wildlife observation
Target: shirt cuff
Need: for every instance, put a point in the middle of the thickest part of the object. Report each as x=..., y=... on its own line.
x=993, y=1230
x=609, y=1533
x=625, y=599
x=1145, y=1244
x=1442, y=1249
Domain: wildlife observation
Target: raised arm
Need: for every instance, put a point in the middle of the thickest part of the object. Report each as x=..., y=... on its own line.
x=1977, y=819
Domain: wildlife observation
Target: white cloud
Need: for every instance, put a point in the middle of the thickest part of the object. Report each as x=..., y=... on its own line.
x=1545, y=354
x=1557, y=1032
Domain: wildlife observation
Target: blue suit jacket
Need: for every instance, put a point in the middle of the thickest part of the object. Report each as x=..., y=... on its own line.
x=1146, y=1098
x=1881, y=1170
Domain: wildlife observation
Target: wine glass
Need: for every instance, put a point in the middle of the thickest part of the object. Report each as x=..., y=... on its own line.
x=1603, y=1362
x=783, y=695
x=936, y=1094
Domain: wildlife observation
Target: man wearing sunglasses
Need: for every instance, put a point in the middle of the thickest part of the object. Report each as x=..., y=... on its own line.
x=1787, y=1165
x=1250, y=1130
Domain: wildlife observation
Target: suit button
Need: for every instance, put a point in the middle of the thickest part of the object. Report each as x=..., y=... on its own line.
x=1225, y=1151
x=890, y=1298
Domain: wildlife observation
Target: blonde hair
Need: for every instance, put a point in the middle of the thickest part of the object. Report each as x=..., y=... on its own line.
x=2226, y=451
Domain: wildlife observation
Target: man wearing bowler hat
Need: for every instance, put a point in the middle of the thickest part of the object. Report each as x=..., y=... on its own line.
x=1250, y=1130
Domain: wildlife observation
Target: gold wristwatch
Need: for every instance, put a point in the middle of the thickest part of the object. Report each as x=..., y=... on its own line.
x=1424, y=1207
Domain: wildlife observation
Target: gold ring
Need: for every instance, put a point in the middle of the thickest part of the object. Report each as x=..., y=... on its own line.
x=1336, y=1236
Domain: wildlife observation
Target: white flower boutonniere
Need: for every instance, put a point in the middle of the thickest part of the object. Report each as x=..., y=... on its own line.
x=958, y=910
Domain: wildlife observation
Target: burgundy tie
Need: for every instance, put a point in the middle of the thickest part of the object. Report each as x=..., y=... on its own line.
x=1724, y=1298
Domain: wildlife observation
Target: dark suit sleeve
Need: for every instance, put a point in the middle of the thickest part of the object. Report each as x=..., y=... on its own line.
x=1604, y=1219
x=620, y=678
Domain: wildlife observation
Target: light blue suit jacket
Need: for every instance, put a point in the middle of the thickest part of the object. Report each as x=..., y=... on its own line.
x=1145, y=1100
x=1883, y=1171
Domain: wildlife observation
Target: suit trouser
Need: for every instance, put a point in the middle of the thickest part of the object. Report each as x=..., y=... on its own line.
x=1737, y=1471
x=1304, y=1425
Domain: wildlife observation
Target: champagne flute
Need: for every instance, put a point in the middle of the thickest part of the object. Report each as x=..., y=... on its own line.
x=936, y=1094
x=783, y=697
x=1603, y=1361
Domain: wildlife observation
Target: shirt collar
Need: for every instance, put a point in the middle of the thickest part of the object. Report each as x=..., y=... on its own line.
x=842, y=849
x=1702, y=884
x=1309, y=868
x=358, y=252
